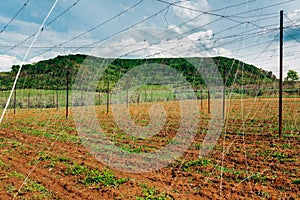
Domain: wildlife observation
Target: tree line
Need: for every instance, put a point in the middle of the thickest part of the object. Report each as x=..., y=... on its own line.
x=52, y=73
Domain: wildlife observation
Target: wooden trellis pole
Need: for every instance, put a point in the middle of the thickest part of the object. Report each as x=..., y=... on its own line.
x=67, y=96
x=281, y=73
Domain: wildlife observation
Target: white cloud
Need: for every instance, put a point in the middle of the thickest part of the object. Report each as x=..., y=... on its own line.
x=7, y=61
x=43, y=47
x=20, y=26
x=197, y=18
x=131, y=44
x=295, y=17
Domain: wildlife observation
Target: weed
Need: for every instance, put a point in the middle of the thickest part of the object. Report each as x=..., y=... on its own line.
x=33, y=186
x=289, y=136
x=53, y=159
x=296, y=182
x=263, y=194
x=198, y=146
x=10, y=189
x=3, y=143
x=264, y=153
x=105, y=177
x=290, y=160
x=63, y=136
x=193, y=163
x=152, y=194
x=286, y=146
x=204, y=147
x=16, y=174
x=76, y=170
x=257, y=177
x=237, y=173
x=281, y=157
x=176, y=142
x=29, y=186
x=131, y=149
x=3, y=165
x=94, y=176
x=273, y=145
x=278, y=155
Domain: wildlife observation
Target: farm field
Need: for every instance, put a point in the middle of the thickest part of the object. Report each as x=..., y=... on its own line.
x=42, y=156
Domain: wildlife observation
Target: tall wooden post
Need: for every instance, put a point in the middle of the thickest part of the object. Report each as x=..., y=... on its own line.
x=107, y=99
x=281, y=73
x=201, y=98
x=15, y=100
x=28, y=100
x=208, y=101
x=67, y=95
x=56, y=97
x=224, y=91
x=99, y=97
x=53, y=99
x=127, y=100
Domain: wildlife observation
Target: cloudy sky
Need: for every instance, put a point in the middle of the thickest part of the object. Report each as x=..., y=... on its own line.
x=245, y=30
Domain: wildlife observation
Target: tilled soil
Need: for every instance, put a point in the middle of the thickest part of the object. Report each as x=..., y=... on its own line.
x=41, y=151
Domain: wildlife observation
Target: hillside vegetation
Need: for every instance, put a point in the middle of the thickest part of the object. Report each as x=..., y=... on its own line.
x=52, y=73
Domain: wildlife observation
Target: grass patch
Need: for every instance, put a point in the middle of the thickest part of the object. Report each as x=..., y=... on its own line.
x=278, y=155
x=60, y=135
x=238, y=174
x=3, y=165
x=257, y=177
x=30, y=186
x=187, y=165
x=130, y=149
x=95, y=177
x=16, y=174
x=286, y=146
x=198, y=162
x=46, y=157
x=151, y=193
x=76, y=170
x=296, y=182
x=137, y=148
x=282, y=157
x=263, y=194
x=53, y=159
x=105, y=177
x=10, y=189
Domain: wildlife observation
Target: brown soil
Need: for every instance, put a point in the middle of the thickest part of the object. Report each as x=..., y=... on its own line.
x=39, y=147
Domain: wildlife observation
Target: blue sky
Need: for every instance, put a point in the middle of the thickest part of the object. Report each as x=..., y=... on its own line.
x=246, y=30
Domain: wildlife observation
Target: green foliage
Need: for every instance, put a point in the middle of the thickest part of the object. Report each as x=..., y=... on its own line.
x=77, y=170
x=263, y=194
x=105, y=177
x=151, y=193
x=278, y=155
x=30, y=186
x=3, y=165
x=94, y=176
x=292, y=76
x=258, y=177
x=197, y=162
x=296, y=182
x=51, y=74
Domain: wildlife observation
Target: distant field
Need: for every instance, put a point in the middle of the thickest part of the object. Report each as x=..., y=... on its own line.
x=40, y=98
x=50, y=98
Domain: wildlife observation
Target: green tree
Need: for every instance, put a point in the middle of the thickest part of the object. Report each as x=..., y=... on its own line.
x=292, y=76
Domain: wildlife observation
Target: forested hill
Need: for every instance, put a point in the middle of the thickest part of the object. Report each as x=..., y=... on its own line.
x=52, y=73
